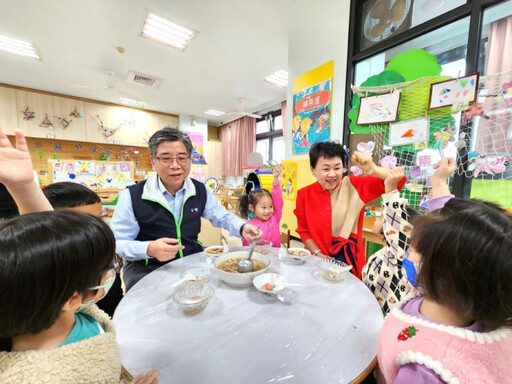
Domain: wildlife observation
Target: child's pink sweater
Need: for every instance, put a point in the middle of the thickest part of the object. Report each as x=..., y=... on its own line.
x=270, y=228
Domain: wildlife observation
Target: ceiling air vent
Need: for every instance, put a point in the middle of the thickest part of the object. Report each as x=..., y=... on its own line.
x=143, y=79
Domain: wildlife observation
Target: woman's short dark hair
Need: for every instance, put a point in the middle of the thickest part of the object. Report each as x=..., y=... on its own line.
x=466, y=260
x=169, y=134
x=66, y=194
x=46, y=257
x=328, y=150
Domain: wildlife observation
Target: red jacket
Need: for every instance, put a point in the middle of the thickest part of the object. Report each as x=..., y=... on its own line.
x=314, y=217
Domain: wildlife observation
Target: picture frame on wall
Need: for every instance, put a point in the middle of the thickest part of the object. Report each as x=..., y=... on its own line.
x=379, y=109
x=448, y=92
x=408, y=132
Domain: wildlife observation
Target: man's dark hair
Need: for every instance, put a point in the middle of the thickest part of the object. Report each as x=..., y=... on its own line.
x=466, y=261
x=169, y=134
x=328, y=150
x=66, y=194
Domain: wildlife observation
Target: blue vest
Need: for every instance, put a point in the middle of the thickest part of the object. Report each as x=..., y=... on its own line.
x=156, y=221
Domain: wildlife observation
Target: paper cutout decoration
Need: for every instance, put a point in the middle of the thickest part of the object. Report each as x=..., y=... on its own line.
x=124, y=167
x=414, y=64
x=480, y=163
x=58, y=147
x=46, y=123
x=506, y=93
x=408, y=132
x=28, y=114
x=78, y=146
x=366, y=147
x=75, y=113
x=64, y=123
x=38, y=144
x=388, y=161
x=443, y=137
x=449, y=92
x=473, y=111
x=212, y=184
x=379, y=108
x=107, y=131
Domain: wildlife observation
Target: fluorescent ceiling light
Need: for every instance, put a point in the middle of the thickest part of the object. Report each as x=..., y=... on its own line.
x=279, y=79
x=214, y=112
x=166, y=32
x=18, y=47
x=132, y=102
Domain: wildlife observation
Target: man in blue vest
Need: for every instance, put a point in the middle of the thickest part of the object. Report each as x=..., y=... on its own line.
x=160, y=218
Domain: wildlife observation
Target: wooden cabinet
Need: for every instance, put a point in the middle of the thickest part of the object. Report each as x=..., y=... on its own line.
x=62, y=108
x=8, y=110
x=42, y=106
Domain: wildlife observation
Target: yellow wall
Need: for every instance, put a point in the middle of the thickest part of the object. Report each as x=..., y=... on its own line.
x=304, y=178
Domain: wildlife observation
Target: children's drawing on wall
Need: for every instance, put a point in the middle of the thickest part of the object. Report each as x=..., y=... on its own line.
x=408, y=132
x=197, y=139
x=379, y=108
x=449, y=92
x=311, y=116
x=289, y=180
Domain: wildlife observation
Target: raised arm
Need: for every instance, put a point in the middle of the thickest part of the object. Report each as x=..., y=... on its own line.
x=277, y=192
x=16, y=173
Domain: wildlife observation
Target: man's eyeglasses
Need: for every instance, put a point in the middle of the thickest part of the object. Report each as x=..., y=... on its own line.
x=167, y=160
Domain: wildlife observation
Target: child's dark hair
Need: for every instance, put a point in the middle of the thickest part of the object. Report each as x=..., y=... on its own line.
x=46, y=257
x=466, y=260
x=328, y=150
x=251, y=198
x=66, y=194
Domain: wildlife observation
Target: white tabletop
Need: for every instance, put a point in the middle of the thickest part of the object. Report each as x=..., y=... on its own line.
x=328, y=334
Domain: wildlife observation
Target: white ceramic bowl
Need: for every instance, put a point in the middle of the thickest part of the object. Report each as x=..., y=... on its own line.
x=240, y=279
x=216, y=250
x=333, y=270
x=193, y=298
x=270, y=283
x=298, y=255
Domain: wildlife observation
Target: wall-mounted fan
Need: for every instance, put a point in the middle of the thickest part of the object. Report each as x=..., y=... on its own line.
x=110, y=85
x=383, y=18
x=240, y=110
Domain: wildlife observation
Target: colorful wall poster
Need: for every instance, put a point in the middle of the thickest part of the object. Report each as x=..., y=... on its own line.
x=460, y=90
x=198, y=151
x=311, y=121
x=289, y=181
x=408, y=132
x=199, y=172
x=379, y=108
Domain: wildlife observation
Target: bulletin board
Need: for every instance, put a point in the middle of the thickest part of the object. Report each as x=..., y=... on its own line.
x=93, y=174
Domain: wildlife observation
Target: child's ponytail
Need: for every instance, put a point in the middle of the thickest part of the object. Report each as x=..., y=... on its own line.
x=244, y=206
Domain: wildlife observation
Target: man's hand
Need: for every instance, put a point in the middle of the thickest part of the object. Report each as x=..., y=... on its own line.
x=251, y=233
x=363, y=161
x=393, y=178
x=15, y=164
x=164, y=249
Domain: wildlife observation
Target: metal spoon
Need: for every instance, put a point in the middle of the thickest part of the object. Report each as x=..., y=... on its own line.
x=246, y=265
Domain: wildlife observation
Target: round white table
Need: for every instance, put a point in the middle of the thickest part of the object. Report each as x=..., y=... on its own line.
x=327, y=334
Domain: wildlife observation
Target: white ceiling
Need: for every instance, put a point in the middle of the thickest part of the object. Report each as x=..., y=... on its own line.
x=240, y=42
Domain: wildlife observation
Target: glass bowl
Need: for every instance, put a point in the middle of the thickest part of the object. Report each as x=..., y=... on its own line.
x=333, y=270
x=192, y=298
x=263, y=247
x=199, y=275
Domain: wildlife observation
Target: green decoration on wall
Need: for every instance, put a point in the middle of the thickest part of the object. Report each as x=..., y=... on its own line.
x=54, y=156
x=414, y=64
x=383, y=78
x=41, y=153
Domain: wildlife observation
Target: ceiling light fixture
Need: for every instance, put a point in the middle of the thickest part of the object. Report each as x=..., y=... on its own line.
x=214, y=112
x=166, y=32
x=279, y=79
x=131, y=102
x=18, y=47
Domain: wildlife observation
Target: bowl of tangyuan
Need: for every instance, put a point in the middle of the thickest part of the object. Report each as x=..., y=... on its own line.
x=298, y=255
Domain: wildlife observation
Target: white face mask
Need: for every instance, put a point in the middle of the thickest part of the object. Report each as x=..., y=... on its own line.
x=106, y=287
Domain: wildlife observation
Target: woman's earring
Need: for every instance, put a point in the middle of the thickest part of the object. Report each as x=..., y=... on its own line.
x=251, y=215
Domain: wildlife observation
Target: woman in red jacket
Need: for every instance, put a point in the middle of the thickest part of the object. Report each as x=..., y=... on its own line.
x=330, y=212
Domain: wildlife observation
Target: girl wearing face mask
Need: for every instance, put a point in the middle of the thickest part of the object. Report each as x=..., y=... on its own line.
x=54, y=266
x=456, y=327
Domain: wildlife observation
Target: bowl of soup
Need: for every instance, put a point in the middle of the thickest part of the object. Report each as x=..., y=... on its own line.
x=226, y=267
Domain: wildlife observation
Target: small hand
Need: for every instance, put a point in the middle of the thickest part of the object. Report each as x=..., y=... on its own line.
x=164, y=249
x=393, y=178
x=363, y=161
x=277, y=171
x=15, y=163
x=149, y=378
x=444, y=169
x=251, y=233
x=322, y=256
